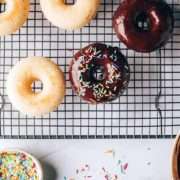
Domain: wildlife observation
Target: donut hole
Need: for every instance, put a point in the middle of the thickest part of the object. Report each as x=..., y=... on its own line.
x=3, y=7
x=142, y=22
x=98, y=73
x=70, y=2
x=37, y=86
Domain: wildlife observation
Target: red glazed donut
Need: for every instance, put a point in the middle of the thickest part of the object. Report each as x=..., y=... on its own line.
x=99, y=73
x=143, y=25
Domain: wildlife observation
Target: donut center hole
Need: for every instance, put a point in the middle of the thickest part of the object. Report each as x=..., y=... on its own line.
x=37, y=86
x=142, y=22
x=70, y=2
x=98, y=73
x=3, y=7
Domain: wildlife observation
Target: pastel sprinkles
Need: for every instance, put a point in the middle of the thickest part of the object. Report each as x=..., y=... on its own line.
x=17, y=166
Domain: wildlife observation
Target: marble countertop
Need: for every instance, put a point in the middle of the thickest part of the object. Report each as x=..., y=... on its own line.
x=99, y=159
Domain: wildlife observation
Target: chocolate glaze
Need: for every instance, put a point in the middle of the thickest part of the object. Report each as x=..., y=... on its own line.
x=178, y=164
x=143, y=25
x=114, y=73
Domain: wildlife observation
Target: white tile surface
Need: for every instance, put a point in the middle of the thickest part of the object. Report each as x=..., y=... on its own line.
x=147, y=159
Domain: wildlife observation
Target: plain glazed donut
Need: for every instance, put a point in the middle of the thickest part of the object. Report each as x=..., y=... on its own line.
x=69, y=17
x=143, y=25
x=20, y=91
x=99, y=73
x=14, y=17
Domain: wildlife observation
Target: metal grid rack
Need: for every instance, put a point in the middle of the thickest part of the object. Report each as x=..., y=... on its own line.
x=150, y=108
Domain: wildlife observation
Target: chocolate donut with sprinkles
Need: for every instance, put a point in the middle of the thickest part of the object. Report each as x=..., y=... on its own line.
x=99, y=73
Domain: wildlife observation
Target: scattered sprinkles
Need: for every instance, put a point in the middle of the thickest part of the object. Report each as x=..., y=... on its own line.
x=85, y=173
x=108, y=176
x=17, y=166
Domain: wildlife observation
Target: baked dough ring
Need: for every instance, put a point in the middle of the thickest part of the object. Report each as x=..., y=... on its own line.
x=20, y=91
x=14, y=17
x=69, y=17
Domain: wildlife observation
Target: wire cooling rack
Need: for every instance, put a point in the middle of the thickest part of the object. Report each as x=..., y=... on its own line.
x=150, y=108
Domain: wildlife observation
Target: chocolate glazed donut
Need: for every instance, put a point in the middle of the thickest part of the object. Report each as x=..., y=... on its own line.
x=143, y=25
x=99, y=73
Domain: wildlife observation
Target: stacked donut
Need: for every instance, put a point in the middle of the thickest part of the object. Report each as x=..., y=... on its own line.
x=98, y=73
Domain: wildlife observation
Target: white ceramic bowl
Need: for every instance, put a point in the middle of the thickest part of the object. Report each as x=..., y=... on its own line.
x=37, y=163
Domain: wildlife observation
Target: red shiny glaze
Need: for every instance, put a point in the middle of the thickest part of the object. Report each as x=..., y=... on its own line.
x=114, y=79
x=160, y=24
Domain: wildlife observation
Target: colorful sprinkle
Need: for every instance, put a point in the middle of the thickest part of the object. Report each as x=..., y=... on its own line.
x=119, y=162
x=125, y=166
x=120, y=168
x=17, y=166
x=111, y=152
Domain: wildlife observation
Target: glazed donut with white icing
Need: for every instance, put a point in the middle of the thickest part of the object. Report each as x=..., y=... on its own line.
x=69, y=17
x=14, y=16
x=19, y=86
